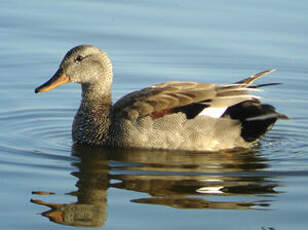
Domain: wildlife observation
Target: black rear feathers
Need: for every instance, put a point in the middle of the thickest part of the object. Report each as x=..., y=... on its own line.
x=256, y=119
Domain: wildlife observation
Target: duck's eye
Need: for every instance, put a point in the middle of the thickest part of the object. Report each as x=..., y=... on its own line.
x=79, y=58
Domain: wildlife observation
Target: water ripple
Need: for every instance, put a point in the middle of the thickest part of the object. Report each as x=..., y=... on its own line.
x=287, y=142
x=36, y=133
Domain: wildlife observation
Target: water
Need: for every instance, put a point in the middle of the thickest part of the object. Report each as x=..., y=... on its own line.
x=45, y=181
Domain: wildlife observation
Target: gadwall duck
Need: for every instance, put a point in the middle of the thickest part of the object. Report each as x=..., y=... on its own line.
x=172, y=115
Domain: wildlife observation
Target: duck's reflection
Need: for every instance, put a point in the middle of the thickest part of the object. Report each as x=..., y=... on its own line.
x=175, y=179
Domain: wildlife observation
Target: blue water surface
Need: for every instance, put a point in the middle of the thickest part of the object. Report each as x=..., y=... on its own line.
x=48, y=183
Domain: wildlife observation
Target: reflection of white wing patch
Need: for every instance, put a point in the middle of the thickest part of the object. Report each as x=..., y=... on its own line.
x=213, y=112
x=210, y=190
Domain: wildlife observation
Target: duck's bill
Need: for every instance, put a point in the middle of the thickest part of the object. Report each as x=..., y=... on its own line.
x=58, y=79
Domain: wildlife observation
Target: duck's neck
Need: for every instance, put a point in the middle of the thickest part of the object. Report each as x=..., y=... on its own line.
x=92, y=121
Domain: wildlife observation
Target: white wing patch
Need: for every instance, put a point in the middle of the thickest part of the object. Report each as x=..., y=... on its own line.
x=213, y=112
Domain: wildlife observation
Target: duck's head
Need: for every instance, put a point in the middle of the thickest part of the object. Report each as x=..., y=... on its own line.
x=84, y=64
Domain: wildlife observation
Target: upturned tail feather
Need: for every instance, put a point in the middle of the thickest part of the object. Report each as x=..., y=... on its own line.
x=252, y=78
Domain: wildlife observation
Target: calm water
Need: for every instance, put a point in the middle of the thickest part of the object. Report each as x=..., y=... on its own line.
x=46, y=183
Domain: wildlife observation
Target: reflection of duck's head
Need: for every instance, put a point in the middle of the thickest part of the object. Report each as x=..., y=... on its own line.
x=93, y=179
x=75, y=214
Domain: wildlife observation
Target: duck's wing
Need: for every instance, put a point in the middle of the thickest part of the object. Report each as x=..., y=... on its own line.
x=191, y=98
x=163, y=99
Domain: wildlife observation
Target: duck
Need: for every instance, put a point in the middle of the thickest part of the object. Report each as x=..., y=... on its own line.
x=174, y=115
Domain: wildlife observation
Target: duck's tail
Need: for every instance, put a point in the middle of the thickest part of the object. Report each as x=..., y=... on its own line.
x=252, y=78
x=256, y=118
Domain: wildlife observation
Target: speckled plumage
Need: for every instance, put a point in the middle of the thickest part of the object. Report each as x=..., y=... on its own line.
x=171, y=115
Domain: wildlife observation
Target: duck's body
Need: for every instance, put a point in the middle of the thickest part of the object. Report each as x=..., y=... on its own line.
x=172, y=115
